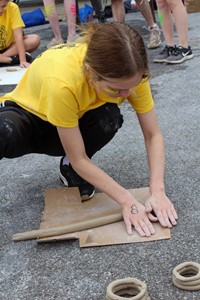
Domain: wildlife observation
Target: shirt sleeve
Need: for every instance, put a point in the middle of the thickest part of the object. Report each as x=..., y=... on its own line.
x=16, y=18
x=141, y=98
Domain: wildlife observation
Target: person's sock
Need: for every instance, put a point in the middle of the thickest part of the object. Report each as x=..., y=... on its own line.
x=154, y=26
x=65, y=161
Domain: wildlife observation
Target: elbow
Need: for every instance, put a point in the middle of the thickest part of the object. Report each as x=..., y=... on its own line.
x=156, y=135
x=78, y=164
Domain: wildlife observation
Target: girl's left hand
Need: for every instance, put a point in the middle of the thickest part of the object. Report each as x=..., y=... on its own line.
x=163, y=208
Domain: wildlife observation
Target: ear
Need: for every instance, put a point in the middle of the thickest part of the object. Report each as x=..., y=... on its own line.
x=91, y=73
x=88, y=68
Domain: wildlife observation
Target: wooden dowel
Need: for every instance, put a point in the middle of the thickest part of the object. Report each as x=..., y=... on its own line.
x=83, y=225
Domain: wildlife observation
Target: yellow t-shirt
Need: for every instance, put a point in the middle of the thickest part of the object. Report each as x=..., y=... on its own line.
x=55, y=88
x=10, y=20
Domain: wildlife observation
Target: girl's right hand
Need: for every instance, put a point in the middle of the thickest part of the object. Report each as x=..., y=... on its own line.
x=24, y=64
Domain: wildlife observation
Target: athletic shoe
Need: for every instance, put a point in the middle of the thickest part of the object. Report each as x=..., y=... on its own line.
x=15, y=59
x=164, y=54
x=54, y=42
x=179, y=55
x=3, y=65
x=71, y=179
x=154, y=39
x=102, y=19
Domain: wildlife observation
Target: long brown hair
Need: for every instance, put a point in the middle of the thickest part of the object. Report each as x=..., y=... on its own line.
x=115, y=50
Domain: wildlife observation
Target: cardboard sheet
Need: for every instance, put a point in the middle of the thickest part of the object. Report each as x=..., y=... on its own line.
x=11, y=75
x=63, y=207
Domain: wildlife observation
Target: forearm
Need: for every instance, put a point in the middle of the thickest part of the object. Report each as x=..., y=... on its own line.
x=19, y=41
x=156, y=158
x=21, y=49
x=73, y=144
x=133, y=212
x=96, y=176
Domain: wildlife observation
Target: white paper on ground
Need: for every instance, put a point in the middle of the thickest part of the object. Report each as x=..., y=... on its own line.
x=11, y=75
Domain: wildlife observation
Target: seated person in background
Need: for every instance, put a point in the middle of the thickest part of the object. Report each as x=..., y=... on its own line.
x=99, y=10
x=13, y=43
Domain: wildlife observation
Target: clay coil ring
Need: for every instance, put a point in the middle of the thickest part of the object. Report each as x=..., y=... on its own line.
x=127, y=289
x=186, y=276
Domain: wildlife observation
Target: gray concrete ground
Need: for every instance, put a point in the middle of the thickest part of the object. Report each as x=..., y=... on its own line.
x=64, y=271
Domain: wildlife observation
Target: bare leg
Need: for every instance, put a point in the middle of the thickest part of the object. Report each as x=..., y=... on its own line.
x=51, y=13
x=145, y=10
x=31, y=42
x=70, y=12
x=5, y=59
x=97, y=6
x=154, y=38
x=167, y=23
x=181, y=21
x=118, y=10
x=174, y=55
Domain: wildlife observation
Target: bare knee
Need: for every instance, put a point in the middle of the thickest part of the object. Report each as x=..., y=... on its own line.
x=174, y=3
x=162, y=4
x=32, y=42
x=116, y=2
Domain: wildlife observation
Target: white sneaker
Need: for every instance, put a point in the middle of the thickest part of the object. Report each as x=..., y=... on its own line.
x=154, y=39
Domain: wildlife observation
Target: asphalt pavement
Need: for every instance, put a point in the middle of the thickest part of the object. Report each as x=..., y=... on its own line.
x=63, y=271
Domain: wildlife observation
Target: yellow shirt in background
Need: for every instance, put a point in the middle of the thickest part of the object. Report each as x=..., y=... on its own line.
x=10, y=20
x=55, y=88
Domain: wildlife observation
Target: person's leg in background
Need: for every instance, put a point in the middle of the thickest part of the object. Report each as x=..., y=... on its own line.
x=183, y=51
x=166, y=21
x=70, y=12
x=99, y=12
x=181, y=21
x=170, y=53
x=118, y=10
x=10, y=55
x=31, y=43
x=154, y=39
x=52, y=15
